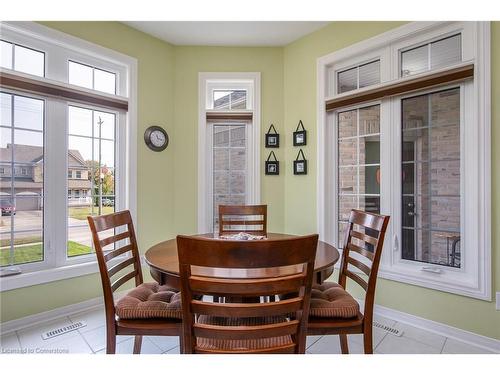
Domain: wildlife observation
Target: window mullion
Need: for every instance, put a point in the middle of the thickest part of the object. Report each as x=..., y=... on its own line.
x=55, y=176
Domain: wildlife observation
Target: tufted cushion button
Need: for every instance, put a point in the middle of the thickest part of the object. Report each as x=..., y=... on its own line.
x=150, y=300
x=330, y=300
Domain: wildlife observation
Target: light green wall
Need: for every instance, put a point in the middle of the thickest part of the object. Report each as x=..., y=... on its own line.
x=300, y=191
x=189, y=61
x=166, y=181
x=155, y=220
x=288, y=94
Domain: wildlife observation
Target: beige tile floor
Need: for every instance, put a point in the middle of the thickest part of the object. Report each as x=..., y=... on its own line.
x=91, y=339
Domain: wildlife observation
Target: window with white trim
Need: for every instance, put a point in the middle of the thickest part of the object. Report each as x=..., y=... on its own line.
x=425, y=161
x=70, y=158
x=230, y=162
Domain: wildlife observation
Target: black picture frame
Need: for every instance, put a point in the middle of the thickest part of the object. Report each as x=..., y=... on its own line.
x=300, y=135
x=300, y=164
x=272, y=139
x=300, y=138
x=299, y=167
x=272, y=168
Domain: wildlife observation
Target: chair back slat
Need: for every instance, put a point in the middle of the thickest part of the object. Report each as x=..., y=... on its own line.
x=240, y=287
x=123, y=279
x=363, y=267
x=358, y=279
x=104, y=233
x=111, y=221
x=120, y=236
x=364, y=237
x=272, y=321
x=261, y=331
x=246, y=310
x=360, y=250
x=121, y=250
x=119, y=266
x=369, y=245
x=209, y=252
x=230, y=216
x=282, y=349
x=367, y=220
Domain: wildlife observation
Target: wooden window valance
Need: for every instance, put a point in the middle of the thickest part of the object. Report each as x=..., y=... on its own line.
x=402, y=86
x=49, y=88
x=228, y=116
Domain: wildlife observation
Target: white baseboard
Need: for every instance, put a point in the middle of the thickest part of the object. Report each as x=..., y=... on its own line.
x=455, y=333
x=458, y=334
x=46, y=316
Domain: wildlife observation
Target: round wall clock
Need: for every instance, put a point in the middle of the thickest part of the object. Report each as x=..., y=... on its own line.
x=156, y=138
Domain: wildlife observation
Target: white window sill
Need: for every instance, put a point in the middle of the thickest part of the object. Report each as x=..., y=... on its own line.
x=55, y=274
x=46, y=276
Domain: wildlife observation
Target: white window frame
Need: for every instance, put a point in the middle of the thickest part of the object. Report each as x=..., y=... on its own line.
x=474, y=278
x=59, y=48
x=207, y=83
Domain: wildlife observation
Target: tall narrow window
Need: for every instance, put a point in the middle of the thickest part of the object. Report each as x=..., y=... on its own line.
x=358, y=163
x=229, y=166
x=228, y=169
x=431, y=178
x=91, y=150
x=21, y=151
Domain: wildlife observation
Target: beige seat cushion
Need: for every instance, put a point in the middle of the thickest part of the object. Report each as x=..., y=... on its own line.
x=235, y=345
x=330, y=300
x=150, y=300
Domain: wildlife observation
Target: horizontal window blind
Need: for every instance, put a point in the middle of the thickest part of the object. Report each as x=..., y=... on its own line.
x=402, y=86
x=46, y=87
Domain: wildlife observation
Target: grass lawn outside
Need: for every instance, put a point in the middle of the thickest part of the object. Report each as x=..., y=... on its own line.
x=33, y=253
x=81, y=213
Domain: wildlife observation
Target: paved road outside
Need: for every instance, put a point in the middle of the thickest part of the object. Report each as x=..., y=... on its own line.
x=29, y=224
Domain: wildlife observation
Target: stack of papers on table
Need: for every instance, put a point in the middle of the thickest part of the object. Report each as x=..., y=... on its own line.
x=242, y=236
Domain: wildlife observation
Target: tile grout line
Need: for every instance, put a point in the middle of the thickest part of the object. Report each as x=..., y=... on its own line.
x=315, y=341
x=444, y=343
x=18, y=339
x=380, y=342
x=151, y=341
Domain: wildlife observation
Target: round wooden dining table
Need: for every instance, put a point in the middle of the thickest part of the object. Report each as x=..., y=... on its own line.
x=164, y=263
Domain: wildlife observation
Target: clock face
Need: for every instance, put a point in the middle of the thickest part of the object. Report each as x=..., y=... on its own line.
x=156, y=138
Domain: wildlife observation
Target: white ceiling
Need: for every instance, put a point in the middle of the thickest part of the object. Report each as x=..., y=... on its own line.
x=244, y=33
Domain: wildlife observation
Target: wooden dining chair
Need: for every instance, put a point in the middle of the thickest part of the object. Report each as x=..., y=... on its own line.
x=263, y=267
x=147, y=309
x=252, y=219
x=333, y=310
